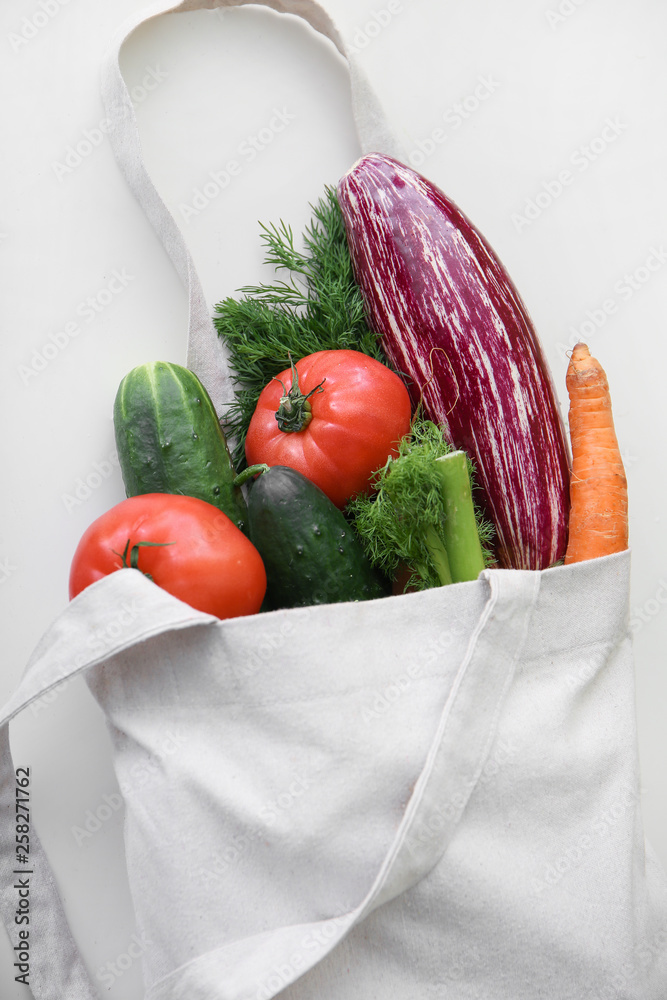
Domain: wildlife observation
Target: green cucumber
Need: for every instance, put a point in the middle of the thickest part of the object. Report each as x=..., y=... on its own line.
x=310, y=552
x=169, y=439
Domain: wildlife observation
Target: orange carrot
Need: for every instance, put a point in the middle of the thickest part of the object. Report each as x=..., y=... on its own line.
x=598, y=487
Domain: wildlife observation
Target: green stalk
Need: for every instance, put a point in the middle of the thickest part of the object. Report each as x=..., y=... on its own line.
x=438, y=553
x=250, y=472
x=420, y=513
x=460, y=533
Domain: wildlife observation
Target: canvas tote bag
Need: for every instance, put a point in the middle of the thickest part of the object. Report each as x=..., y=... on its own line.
x=431, y=795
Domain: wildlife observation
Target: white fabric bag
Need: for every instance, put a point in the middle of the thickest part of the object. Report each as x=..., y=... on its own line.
x=430, y=795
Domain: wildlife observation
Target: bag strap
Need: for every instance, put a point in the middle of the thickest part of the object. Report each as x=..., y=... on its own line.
x=206, y=354
x=112, y=615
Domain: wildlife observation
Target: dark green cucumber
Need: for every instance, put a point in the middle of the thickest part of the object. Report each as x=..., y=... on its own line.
x=310, y=552
x=169, y=439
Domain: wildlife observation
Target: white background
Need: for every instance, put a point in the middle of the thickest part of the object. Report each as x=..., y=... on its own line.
x=494, y=99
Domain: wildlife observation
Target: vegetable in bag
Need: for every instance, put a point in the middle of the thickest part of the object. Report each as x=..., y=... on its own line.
x=451, y=320
x=421, y=515
x=182, y=544
x=169, y=439
x=335, y=417
x=315, y=306
x=311, y=553
x=599, y=489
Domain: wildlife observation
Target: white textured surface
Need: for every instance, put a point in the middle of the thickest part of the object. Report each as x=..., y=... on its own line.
x=499, y=100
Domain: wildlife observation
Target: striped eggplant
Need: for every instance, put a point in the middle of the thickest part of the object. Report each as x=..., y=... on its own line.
x=451, y=320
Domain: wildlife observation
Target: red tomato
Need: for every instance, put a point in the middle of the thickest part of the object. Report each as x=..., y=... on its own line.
x=348, y=413
x=203, y=558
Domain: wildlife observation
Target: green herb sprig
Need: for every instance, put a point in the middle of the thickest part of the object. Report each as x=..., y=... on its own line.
x=418, y=518
x=319, y=307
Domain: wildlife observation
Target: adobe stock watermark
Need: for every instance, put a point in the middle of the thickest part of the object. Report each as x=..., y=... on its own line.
x=446, y=813
x=580, y=160
x=312, y=945
x=94, y=820
x=100, y=641
x=566, y=8
x=113, y=970
x=92, y=138
x=266, y=650
x=453, y=118
x=641, y=959
x=141, y=774
x=650, y=609
x=269, y=813
x=246, y=152
x=87, y=310
x=85, y=486
x=7, y=569
x=574, y=854
x=364, y=34
x=629, y=459
x=32, y=24
x=385, y=699
x=47, y=699
x=624, y=289
x=587, y=669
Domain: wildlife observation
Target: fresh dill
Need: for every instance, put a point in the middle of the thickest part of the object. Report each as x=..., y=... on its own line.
x=403, y=521
x=318, y=307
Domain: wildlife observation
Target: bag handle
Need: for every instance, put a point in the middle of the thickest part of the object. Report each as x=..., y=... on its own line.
x=206, y=354
x=56, y=968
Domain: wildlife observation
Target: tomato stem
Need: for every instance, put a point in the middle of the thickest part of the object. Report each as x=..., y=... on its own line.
x=134, y=555
x=294, y=410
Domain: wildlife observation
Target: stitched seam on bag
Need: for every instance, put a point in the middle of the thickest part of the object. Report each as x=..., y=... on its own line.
x=443, y=724
x=511, y=673
x=407, y=822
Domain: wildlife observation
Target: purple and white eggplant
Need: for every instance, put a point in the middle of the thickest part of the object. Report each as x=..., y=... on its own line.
x=451, y=320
